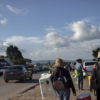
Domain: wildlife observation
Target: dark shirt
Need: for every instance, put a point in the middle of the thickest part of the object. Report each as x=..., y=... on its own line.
x=66, y=74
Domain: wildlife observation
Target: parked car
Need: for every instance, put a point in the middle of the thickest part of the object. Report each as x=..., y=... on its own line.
x=3, y=69
x=31, y=68
x=17, y=72
x=88, y=67
x=37, y=68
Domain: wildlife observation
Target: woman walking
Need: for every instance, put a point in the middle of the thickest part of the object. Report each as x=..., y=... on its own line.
x=62, y=81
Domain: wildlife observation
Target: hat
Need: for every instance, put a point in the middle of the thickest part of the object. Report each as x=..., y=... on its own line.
x=59, y=63
x=98, y=55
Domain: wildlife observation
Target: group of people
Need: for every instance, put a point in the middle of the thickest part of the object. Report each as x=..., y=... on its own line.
x=62, y=92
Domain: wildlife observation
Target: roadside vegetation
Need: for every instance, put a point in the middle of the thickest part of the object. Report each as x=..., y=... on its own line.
x=15, y=55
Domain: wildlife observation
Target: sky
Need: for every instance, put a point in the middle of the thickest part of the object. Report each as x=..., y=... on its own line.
x=50, y=29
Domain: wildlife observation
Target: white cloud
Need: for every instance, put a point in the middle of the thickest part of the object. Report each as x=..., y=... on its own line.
x=0, y=15
x=88, y=19
x=4, y=21
x=2, y=47
x=84, y=31
x=16, y=10
x=50, y=29
x=33, y=48
x=55, y=40
x=13, y=9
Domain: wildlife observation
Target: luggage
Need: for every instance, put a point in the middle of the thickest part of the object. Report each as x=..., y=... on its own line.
x=84, y=97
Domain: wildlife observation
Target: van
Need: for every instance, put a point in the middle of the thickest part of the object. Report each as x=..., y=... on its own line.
x=88, y=67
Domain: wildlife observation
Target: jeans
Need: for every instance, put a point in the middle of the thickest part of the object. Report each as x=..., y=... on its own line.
x=63, y=94
x=80, y=81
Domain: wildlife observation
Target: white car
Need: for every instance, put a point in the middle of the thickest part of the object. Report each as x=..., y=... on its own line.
x=88, y=67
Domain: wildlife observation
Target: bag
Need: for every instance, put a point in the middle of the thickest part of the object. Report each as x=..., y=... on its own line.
x=94, y=81
x=60, y=82
x=77, y=73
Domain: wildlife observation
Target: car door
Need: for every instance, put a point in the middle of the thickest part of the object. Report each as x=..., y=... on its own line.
x=27, y=72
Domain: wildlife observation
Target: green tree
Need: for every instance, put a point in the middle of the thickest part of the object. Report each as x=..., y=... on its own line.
x=9, y=51
x=13, y=52
x=95, y=52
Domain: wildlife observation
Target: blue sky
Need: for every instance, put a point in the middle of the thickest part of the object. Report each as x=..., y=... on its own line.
x=48, y=29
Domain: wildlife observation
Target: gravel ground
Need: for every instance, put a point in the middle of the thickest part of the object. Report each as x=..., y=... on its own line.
x=35, y=93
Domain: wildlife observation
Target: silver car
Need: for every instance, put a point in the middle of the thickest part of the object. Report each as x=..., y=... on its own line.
x=88, y=67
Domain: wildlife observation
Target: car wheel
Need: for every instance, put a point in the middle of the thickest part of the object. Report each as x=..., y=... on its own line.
x=30, y=77
x=24, y=79
x=6, y=80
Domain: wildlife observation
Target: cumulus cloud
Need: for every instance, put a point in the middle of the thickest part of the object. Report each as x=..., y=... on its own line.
x=20, y=39
x=4, y=21
x=55, y=40
x=2, y=47
x=84, y=31
x=74, y=51
x=16, y=10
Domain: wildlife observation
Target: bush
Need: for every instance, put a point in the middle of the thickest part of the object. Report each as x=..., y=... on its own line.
x=46, y=68
x=20, y=61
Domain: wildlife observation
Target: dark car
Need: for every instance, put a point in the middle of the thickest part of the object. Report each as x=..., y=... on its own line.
x=17, y=72
x=3, y=69
x=31, y=68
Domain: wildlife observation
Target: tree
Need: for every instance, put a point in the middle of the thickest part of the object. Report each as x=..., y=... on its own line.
x=13, y=52
x=95, y=52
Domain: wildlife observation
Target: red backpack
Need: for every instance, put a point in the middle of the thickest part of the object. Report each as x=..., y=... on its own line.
x=59, y=82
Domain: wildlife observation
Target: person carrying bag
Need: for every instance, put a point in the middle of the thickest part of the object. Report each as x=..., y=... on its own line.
x=62, y=81
x=95, y=80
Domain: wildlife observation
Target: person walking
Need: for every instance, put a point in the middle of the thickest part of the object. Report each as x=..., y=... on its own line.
x=79, y=67
x=63, y=94
x=96, y=74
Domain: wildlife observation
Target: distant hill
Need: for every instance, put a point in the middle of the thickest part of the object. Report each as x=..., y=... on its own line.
x=53, y=61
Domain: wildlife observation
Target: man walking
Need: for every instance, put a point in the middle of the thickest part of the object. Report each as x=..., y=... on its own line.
x=79, y=66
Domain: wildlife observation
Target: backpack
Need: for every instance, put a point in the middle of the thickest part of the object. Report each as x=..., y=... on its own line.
x=60, y=82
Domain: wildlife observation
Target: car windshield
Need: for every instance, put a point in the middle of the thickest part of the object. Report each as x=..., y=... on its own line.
x=3, y=64
x=90, y=63
x=14, y=68
x=4, y=67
